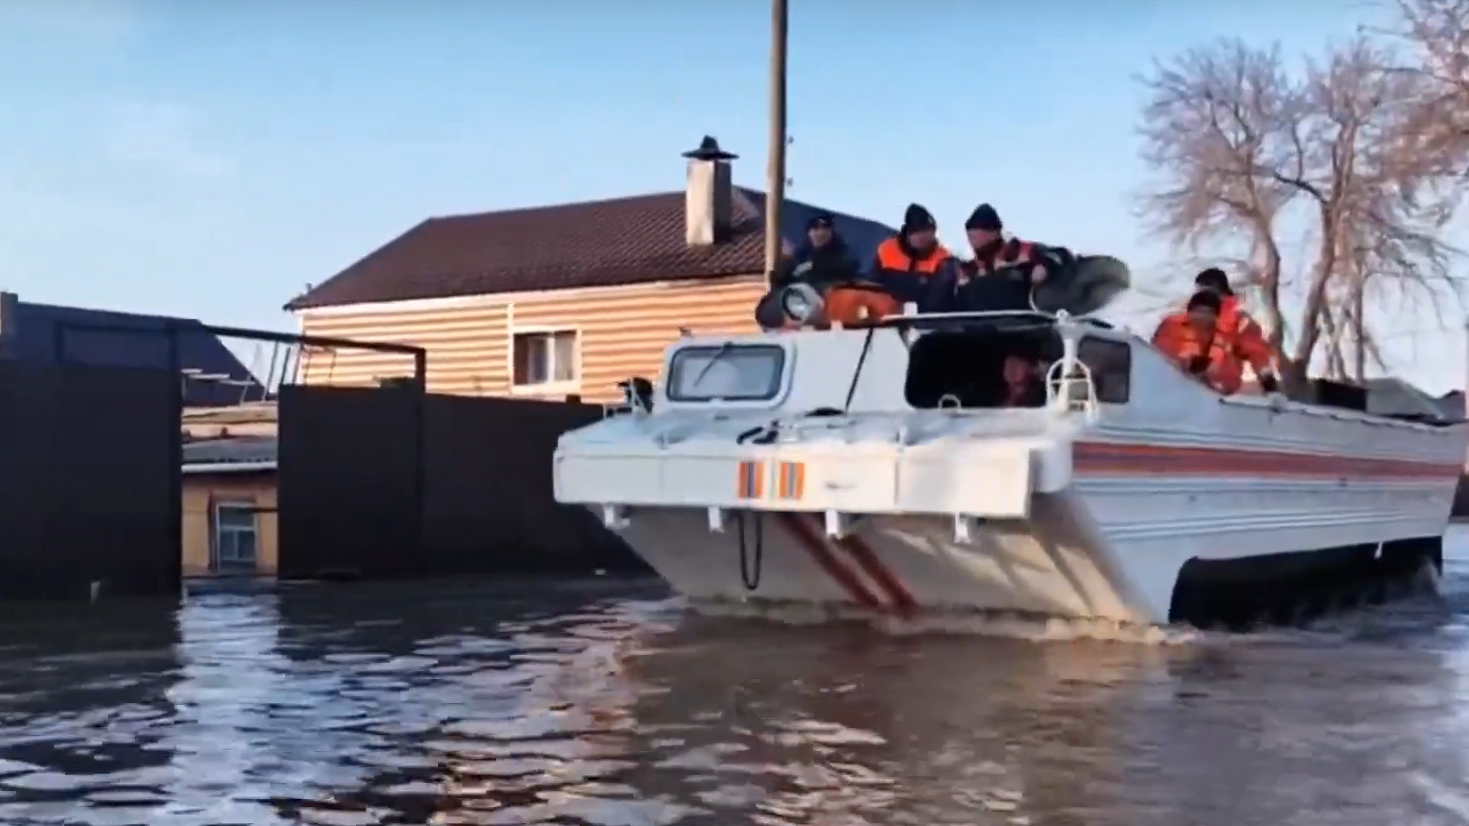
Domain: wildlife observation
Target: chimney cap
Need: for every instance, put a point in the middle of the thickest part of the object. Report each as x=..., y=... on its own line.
x=709, y=150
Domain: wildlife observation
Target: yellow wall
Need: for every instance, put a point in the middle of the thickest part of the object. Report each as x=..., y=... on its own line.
x=201, y=490
x=623, y=332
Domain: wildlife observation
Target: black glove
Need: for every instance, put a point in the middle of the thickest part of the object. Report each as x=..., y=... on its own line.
x=1057, y=258
x=1269, y=384
x=1014, y=273
x=1198, y=365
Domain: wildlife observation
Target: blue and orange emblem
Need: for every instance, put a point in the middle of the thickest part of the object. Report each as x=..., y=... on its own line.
x=790, y=480
x=750, y=483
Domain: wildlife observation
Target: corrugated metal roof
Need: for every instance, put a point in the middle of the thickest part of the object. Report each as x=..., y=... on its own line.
x=134, y=341
x=589, y=244
x=238, y=449
x=1395, y=397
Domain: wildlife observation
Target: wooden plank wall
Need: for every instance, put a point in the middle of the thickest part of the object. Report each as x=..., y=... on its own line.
x=623, y=332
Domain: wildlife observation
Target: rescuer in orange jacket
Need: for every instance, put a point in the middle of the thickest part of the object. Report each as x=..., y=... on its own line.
x=914, y=266
x=1192, y=339
x=1243, y=335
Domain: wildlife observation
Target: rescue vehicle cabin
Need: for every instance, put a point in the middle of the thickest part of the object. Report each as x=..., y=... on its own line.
x=929, y=363
x=565, y=300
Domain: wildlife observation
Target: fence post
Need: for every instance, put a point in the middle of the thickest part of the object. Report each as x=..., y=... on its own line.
x=9, y=320
x=174, y=365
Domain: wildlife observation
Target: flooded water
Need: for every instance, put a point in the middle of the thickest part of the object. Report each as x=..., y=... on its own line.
x=602, y=703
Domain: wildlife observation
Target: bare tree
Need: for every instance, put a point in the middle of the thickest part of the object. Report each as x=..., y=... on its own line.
x=1437, y=34
x=1251, y=158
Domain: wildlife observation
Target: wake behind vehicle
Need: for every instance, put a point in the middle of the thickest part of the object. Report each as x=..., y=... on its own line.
x=885, y=470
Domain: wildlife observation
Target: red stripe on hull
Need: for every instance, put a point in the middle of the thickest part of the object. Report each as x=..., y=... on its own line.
x=884, y=577
x=1103, y=458
x=811, y=539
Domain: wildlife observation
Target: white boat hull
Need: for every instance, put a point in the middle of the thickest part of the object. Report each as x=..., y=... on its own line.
x=1086, y=553
x=1164, y=503
x=895, y=565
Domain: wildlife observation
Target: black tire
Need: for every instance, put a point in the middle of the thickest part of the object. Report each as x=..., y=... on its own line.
x=1088, y=285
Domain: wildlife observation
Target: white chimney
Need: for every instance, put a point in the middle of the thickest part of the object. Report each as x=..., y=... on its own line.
x=708, y=195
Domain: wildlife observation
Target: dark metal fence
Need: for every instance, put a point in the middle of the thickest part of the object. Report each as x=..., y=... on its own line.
x=351, y=481
x=390, y=482
x=490, y=507
x=89, y=485
x=373, y=482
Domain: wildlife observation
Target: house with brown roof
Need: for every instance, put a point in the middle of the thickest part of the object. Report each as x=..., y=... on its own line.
x=560, y=300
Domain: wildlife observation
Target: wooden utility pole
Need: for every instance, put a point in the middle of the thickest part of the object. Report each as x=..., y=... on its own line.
x=775, y=184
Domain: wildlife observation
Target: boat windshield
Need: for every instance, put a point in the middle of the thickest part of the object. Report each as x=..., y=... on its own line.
x=728, y=372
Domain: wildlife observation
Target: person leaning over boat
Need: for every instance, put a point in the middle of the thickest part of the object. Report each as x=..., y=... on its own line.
x=1244, y=336
x=1193, y=340
x=913, y=266
x=1025, y=263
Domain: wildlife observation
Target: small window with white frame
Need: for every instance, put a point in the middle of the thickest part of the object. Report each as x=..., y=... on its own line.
x=1110, y=363
x=545, y=359
x=731, y=372
x=236, y=535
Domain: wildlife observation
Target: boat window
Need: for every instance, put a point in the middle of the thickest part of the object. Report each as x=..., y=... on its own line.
x=1111, y=364
x=981, y=368
x=745, y=372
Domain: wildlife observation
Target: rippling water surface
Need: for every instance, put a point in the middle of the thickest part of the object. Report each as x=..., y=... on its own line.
x=601, y=703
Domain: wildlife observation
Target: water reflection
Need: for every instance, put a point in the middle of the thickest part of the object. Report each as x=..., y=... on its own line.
x=85, y=711
x=958, y=731
x=605, y=705
x=890, y=731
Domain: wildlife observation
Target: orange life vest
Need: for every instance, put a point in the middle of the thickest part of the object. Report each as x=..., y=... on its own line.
x=853, y=307
x=1181, y=341
x=1243, y=336
x=892, y=258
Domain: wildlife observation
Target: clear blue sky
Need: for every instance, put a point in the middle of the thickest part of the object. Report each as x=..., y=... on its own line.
x=208, y=159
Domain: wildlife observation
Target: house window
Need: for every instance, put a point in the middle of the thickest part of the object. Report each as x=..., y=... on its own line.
x=234, y=538
x=546, y=358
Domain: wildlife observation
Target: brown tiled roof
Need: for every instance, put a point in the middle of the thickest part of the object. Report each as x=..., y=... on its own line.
x=588, y=244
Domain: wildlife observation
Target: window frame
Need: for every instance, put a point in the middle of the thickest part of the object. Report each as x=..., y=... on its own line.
x=777, y=384
x=217, y=563
x=551, y=386
x=1127, y=365
x=1048, y=341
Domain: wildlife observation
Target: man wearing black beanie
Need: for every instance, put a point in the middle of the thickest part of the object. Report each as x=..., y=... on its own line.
x=822, y=258
x=1004, y=270
x=992, y=251
x=913, y=266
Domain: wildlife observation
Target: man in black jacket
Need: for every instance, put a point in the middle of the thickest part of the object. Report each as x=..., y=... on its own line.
x=821, y=259
x=1004, y=271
